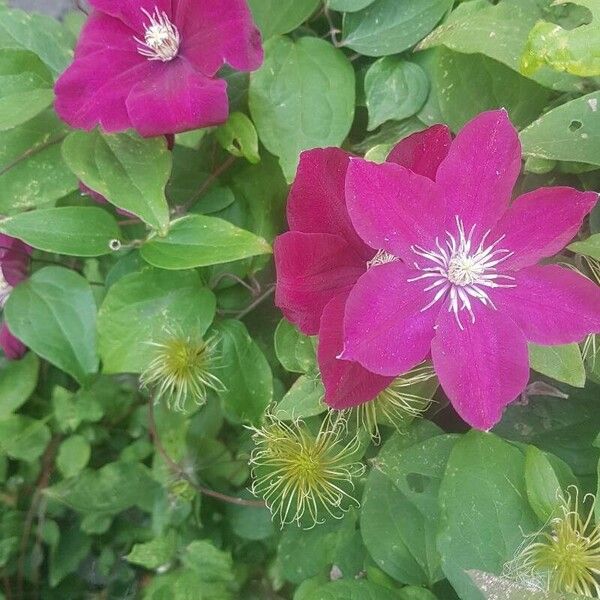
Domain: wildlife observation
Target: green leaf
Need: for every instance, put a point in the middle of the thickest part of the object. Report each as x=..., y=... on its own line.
x=566, y=427
x=302, y=97
x=499, y=31
x=73, y=455
x=543, y=487
x=209, y=563
x=416, y=593
x=73, y=546
x=110, y=490
x=389, y=27
x=262, y=190
x=201, y=241
x=500, y=588
x=25, y=87
x=245, y=372
x=18, y=379
x=352, y=590
x=570, y=132
x=54, y=313
x=274, y=17
x=304, y=553
x=238, y=136
x=575, y=50
x=348, y=5
x=397, y=530
x=70, y=230
x=484, y=508
x=156, y=553
x=23, y=438
x=44, y=36
x=129, y=171
x=304, y=399
x=70, y=409
x=32, y=170
x=395, y=89
x=249, y=522
x=144, y=307
x=467, y=84
x=589, y=247
x=294, y=350
x=563, y=363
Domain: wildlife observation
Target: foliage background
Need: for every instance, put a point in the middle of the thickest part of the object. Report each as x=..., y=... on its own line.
x=102, y=498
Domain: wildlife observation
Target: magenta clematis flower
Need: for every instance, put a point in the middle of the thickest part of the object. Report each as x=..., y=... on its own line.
x=14, y=266
x=150, y=65
x=462, y=280
x=321, y=258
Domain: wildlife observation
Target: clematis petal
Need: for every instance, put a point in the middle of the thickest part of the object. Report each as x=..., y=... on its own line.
x=541, y=223
x=131, y=12
x=551, y=304
x=312, y=268
x=93, y=90
x=483, y=367
x=214, y=32
x=384, y=327
x=347, y=383
x=12, y=347
x=102, y=33
x=480, y=171
x=175, y=97
x=317, y=202
x=423, y=152
x=15, y=258
x=387, y=204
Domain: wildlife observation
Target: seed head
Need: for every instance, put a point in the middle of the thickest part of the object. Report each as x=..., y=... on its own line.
x=563, y=557
x=182, y=369
x=304, y=476
x=396, y=406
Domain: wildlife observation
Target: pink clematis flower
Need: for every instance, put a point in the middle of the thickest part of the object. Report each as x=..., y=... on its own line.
x=150, y=65
x=14, y=266
x=321, y=258
x=463, y=282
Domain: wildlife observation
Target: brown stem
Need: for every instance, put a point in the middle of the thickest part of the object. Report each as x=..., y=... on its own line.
x=42, y=483
x=210, y=180
x=215, y=282
x=177, y=470
x=333, y=30
x=31, y=152
x=254, y=304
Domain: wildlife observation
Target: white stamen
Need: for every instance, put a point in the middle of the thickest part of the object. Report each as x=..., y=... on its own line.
x=161, y=38
x=381, y=258
x=461, y=272
x=5, y=289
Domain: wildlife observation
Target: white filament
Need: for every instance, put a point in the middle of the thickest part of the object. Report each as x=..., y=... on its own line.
x=461, y=272
x=161, y=38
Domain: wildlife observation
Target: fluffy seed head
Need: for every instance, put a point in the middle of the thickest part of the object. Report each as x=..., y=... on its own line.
x=304, y=476
x=565, y=555
x=396, y=406
x=182, y=368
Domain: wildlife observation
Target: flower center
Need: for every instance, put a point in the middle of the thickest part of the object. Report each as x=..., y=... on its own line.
x=462, y=271
x=161, y=37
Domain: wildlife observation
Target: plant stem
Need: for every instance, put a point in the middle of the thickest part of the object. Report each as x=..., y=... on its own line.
x=177, y=470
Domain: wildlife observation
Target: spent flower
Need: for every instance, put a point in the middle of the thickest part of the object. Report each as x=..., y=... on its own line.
x=565, y=555
x=304, y=476
x=396, y=406
x=182, y=368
